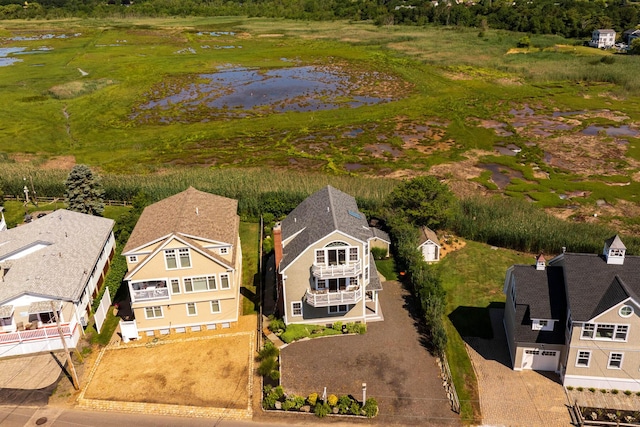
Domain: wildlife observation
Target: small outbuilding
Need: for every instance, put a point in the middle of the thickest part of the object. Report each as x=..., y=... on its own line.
x=429, y=245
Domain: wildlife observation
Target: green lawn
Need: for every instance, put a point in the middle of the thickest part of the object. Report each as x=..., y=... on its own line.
x=249, y=236
x=387, y=267
x=14, y=211
x=473, y=278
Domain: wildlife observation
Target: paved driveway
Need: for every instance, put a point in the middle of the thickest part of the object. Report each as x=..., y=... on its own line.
x=512, y=398
x=29, y=380
x=400, y=373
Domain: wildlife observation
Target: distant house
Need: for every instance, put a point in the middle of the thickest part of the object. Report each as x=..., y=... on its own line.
x=429, y=245
x=326, y=270
x=578, y=315
x=184, y=265
x=53, y=265
x=603, y=38
x=381, y=240
x=629, y=35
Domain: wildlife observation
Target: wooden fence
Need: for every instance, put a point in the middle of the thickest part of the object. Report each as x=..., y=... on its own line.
x=449, y=387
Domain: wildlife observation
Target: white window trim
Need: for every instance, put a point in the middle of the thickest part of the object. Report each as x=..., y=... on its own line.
x=179, y=286
x=224, y=250
x=176, y=253
x=616, y=326
x=195, y=308
x=628, y=315
x=293, y=308
x=132, y=259
x=578, y=365
x=219, y=306
x=611, y=357
x=146, y=316
x=206, y=278
x=228, y=281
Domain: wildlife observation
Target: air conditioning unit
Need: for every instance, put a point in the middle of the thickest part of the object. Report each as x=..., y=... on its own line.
x=83, y=322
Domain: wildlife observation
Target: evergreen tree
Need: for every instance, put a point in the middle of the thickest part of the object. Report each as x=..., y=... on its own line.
x=84, y=191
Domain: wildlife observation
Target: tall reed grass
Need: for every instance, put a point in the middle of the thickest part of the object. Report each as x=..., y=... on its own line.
x=519, y=225
x=249, y=186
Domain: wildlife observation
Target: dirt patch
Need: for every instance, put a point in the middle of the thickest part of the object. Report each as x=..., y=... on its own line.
x=450, y=243
x=208, y=371
x=78, y=88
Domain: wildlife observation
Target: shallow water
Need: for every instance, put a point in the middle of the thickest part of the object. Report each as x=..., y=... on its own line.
x=289, y=89
x=5, y=59
x=610, y=130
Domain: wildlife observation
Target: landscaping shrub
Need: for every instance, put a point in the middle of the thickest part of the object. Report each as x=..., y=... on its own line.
x=312, y=399
x=344, y=404
x=267, y=366
x=627, y=392
x=354, y=409
x=356, y=328
x=276, y=325
x=269, y=350
x=569, y=388
x=267, y=245
x=579, y=389
x=370, y=407
x=288, y=404
x=322, y=410
x=337, y=326
x=592, y=389
x=378, y=253
x=332, y=400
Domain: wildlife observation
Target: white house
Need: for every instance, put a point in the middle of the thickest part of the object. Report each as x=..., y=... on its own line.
x=603, y=38
x=56, y=263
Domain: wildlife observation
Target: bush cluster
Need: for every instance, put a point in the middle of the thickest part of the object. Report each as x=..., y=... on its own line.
x=276, y=398
x=268, y=357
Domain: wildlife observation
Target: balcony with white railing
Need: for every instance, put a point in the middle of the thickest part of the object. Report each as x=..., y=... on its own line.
x=151, y=290
x=322, y=271
x=46, y=332
x=325, y=298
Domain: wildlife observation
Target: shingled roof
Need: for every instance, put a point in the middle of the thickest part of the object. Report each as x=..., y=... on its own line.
x=68, y=246
x=540, y=294
x=594, y=286
x=325, y=211
x=189, y=213
x=428, y=234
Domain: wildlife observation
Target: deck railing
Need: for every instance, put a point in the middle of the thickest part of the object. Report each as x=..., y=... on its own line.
x=340, y=270
x=326, y=299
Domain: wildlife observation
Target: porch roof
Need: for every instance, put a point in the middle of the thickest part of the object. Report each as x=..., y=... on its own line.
x=6, y=310
x=44, y=306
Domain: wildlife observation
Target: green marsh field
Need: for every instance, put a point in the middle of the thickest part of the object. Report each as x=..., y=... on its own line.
x=242, y=107
x=555, y=123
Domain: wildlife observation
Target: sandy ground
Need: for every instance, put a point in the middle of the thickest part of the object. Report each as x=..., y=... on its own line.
x=208, y=371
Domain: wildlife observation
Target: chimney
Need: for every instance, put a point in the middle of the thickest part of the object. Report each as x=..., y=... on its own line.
x=540, y=262
x=277, y=243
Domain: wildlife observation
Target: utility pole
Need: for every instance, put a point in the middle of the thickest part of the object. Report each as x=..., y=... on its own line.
x=74, y=376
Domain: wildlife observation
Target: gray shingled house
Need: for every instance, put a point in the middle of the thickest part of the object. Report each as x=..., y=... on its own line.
x=578, y=315
x=326, y=270
x=57, y=262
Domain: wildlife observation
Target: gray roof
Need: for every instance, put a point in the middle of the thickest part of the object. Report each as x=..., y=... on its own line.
x=540, y=294
x=44, y=306
x=614, y=243
x=71, y=243
x=594, y=286
x=428, y=234
x=325, y=211
x=606, y=30
x=374, y=279
x=381, y=234
x=6, y=310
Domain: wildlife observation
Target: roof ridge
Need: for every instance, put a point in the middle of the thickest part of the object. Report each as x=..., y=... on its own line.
x=332, y=208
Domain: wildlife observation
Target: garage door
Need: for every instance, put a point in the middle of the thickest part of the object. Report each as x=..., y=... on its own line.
x=540, y=360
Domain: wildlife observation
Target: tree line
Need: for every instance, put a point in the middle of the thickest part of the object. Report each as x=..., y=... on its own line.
x=569, y=18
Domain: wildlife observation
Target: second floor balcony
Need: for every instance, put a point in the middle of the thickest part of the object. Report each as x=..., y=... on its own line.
x=323, y=271
x=149, y=290
x=350, y=295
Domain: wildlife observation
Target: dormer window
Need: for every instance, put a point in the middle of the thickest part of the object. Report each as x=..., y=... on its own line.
x=542, y=325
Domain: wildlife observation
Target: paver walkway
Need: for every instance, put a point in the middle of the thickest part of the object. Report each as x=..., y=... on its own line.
x=514, y=398
x=400, y=373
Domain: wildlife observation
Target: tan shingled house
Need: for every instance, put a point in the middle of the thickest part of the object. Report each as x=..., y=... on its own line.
x=184, y=265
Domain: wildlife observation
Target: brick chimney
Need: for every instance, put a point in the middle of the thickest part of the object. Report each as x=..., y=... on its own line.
x=277, y=243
